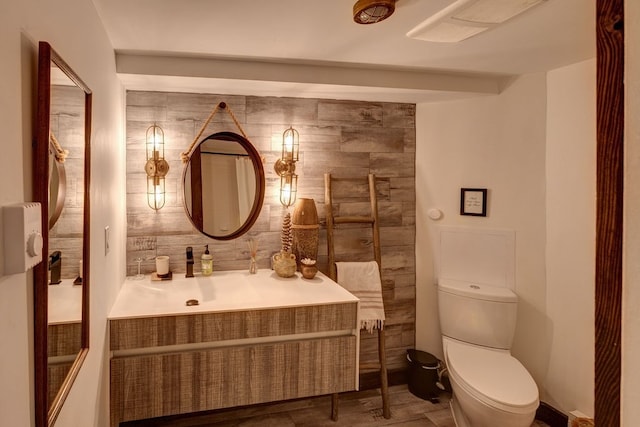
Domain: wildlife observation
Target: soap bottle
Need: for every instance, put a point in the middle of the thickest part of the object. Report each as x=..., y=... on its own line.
x=207, y=262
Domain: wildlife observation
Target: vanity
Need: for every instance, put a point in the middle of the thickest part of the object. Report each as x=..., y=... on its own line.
x=230, y=339
x=64, y=333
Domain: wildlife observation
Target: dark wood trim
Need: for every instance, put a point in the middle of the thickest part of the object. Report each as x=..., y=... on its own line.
x=196, y=188
x=41, y=194
x=551, y=416
x=86, y=230
x=45, y=414
x=609, y=210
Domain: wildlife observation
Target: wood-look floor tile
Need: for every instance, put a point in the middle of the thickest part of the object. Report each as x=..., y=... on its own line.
x=441, y=418
x=356, y=409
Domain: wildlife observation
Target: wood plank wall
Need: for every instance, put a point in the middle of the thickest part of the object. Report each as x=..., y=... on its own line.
x=67, y=124
x=346, y=138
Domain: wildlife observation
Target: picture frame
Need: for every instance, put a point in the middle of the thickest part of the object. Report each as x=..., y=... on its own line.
x=473, y=201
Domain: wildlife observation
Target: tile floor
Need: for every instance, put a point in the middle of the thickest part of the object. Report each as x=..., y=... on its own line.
x=356, y=409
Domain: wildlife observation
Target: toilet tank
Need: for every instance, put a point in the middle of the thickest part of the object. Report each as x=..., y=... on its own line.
x=477, y=313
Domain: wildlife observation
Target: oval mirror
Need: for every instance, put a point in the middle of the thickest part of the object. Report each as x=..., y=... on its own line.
x=223, y=185
x=57, y=187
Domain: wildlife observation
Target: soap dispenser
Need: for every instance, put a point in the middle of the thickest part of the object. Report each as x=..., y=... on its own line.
x=207, y=262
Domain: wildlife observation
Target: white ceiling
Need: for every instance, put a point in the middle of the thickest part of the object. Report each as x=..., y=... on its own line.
x=295, y=33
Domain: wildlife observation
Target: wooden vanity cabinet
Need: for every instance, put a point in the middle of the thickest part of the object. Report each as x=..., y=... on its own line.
x=64, y=342
x=167, y=365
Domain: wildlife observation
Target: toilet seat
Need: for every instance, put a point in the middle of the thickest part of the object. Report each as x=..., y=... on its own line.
x=493, y=377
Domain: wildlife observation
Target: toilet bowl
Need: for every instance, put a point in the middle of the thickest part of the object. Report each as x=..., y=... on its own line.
x=490, y=387
x=478, y=312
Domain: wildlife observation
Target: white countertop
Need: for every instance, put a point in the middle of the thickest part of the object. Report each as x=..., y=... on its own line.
x=224, y=291
x=64, y=302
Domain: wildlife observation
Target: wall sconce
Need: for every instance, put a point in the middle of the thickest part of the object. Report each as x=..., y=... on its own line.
x=285, y=167
x=156, y=167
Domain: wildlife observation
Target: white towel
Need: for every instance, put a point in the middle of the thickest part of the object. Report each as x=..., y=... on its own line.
x=362, y=279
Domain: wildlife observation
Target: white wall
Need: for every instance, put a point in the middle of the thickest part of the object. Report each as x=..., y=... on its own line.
x=537, y=160
x=571, y=225
x=631, y=291
x=494, y=142
x=75, y=31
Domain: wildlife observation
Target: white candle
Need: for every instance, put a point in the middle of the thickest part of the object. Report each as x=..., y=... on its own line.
x=162, y=265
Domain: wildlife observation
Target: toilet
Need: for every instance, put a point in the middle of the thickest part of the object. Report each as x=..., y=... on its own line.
x=490, y=387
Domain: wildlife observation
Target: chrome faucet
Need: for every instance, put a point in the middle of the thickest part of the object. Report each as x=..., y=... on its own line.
x=55, y=267
x=189, y=262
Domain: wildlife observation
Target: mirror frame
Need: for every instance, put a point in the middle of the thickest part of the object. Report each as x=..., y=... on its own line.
x=258, y=200
x=45, y=415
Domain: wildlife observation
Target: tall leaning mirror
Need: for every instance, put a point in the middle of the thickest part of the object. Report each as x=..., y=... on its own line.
x=61, y=172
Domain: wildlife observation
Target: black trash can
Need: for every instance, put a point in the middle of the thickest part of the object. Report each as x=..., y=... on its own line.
x=423, y=374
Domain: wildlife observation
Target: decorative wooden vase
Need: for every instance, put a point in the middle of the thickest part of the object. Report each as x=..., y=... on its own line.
x=306, y=230
x=308, y=269
x=284, y=263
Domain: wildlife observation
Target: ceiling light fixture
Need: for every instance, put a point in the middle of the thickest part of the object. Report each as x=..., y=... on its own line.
x=466, y=18
x=372, y=11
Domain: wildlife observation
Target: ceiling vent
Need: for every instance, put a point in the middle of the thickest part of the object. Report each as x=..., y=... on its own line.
x=466, y=18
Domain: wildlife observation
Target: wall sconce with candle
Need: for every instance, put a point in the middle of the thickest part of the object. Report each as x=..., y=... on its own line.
x=156, y=167
x=285, y=167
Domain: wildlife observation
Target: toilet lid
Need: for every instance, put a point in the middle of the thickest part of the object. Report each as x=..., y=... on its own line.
x=493, y=376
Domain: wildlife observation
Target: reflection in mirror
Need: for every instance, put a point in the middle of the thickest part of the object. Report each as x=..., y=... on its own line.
x=61, y=174
x=223, y=185
x=65, y=234
x=57, y=186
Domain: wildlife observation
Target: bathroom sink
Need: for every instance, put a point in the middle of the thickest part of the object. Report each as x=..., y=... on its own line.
x=223, y=291
x=64, y=302
x=226, y=345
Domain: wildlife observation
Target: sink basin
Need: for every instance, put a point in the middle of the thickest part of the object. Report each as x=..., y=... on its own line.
x=223, y=291
x=64, y=302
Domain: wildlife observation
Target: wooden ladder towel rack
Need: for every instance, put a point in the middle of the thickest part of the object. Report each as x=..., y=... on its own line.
x=372, y=220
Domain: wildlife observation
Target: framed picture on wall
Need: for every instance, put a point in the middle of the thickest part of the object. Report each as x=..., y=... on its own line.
x=473, y=201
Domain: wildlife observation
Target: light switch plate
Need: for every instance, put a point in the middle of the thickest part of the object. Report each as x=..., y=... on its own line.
x=106, y=240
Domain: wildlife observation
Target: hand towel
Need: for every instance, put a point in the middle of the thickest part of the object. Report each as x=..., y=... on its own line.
x=362, y=279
